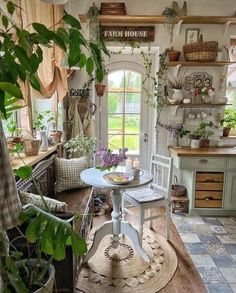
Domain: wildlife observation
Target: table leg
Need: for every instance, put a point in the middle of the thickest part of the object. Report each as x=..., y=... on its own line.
x=116, y=217
x=133, y=234
x=105, y=229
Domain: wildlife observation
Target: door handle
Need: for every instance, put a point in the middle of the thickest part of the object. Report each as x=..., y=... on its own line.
x=145, y=137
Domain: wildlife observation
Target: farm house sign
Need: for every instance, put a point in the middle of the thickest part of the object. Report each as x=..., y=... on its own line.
x=128, y=33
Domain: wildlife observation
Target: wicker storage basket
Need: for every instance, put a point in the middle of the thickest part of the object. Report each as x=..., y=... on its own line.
x=177, y=189
x=201, y=51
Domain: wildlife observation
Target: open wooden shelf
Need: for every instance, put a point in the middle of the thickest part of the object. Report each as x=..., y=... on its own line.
x=155, y=19
x=196, y=63
x=197, y=105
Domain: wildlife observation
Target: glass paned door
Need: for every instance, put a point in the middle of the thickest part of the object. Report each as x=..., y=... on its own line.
x=124, y=110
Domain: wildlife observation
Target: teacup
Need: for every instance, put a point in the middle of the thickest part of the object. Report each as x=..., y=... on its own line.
x=136, y=172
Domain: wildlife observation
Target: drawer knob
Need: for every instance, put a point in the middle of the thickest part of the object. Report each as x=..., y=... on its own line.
x=208, y=198
x=203, y=161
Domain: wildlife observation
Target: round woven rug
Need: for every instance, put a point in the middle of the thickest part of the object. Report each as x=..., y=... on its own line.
x=123, y=270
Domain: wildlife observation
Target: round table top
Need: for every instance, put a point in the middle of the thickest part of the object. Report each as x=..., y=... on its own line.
x=94, y=177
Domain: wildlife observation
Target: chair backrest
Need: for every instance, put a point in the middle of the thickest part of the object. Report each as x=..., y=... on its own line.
x=161, y=169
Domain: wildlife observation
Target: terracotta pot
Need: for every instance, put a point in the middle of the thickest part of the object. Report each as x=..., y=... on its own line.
x=173, y=55
x=100, y=89
x=31, y=147
x=204, y=143
x=226, y=131
x=56, y=136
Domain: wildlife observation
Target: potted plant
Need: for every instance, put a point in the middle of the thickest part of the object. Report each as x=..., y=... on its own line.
x=171, y=20
x=176, y=84
x=194, y=140
x=20, y=57
x=15, y=131
x=228, y=121
x=39, y=125
x=93, y=22
x=204, y=132
x=173, y=55
x=80, y=147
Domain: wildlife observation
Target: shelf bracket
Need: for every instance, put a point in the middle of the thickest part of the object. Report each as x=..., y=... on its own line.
x=176, y=69
x=178, y=27
x=226, y=27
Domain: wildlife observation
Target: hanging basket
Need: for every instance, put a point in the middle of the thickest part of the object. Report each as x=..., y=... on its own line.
x=178, y=190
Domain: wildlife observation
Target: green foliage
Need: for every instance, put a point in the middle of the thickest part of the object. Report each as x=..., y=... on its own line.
x=229, y=119
x=39, y=117
x=203, y=130
x=81, y=146
x=21, y=55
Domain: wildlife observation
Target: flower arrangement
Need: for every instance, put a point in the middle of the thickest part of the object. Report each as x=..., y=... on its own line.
x=209, y=92
x=108, y=159
x=177, y=131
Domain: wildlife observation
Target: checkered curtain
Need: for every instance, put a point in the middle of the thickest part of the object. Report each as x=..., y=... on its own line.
x=9, y=199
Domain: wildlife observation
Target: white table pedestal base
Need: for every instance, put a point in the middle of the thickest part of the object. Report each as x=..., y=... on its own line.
x=115, y=228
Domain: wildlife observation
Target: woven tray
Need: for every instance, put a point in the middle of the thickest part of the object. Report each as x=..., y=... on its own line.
x=201, y=51
x=177, y=189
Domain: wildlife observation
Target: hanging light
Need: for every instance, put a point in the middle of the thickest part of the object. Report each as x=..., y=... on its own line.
x=55, y=2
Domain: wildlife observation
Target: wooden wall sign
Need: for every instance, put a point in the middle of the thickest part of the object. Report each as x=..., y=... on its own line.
x=127, y=33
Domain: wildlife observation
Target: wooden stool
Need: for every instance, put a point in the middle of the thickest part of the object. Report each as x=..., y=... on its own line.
x=179, y=204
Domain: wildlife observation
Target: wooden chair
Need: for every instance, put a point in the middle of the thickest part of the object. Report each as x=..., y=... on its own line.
x=157, y=195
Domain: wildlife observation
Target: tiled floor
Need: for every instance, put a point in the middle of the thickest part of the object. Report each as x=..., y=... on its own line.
x=211, y=242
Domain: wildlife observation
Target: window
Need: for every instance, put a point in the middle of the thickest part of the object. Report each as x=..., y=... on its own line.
x=124, y=110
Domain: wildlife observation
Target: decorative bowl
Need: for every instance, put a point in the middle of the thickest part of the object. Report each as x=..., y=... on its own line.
x=118, y=178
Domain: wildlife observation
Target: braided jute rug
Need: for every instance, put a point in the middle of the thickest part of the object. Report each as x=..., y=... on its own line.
x=123, y=270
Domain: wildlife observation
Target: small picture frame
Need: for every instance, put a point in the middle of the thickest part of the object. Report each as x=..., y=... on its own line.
x=192, y=35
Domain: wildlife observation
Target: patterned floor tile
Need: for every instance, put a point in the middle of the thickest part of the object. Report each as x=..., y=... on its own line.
x=219, y=288
x=227, y=221
x=233, y=286
x=195, y=248
x=207, y=239
x=224, y=261
x=203, y=261
x=212, y=221
x=229, y=274
x=230, y=248
x=211, y=275
x=215, y=248
x=218, y=230
x=184, y=228
x=194, y=220
x=227, y=238
x=189, y=237
x=201, y=229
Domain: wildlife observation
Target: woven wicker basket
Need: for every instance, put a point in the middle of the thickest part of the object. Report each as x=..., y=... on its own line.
x=178, y=190
x=201, y=51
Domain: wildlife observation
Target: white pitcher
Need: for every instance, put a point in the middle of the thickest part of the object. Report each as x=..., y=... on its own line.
x=44, y=141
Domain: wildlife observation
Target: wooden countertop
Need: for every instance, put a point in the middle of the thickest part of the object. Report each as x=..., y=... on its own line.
x=32, y=160
x=204, y=152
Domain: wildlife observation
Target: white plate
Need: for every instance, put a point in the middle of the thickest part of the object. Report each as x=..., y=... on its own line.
x=114, y=177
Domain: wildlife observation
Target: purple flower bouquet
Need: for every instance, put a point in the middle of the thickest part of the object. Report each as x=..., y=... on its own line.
x=109, y=159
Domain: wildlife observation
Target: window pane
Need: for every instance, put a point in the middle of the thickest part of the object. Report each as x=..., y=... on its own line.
x=133, y=82
x=132, y=143
x=132, y=124
x=115, y=102
x=116, y=81
x=115, y=142
x=115, y=124
x=132, y=103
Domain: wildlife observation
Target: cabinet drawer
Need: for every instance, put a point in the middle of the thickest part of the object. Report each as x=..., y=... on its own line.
x=210, y=177
x=208, y=194
x=213, y=203
x=209, y=186
x=202, y=163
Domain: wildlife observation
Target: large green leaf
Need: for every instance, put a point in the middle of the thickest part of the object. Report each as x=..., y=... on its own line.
x=99, y=74
x=23, y=58
x=24, y=172
x=63, y=34
x=34, y=82
x=5, y=21
x=34, y=62
x=72, y=21
x=89, y=65
x=10, y=7
x=11, y=89
x=59, y=42
x=43, y=30
x=82, y=60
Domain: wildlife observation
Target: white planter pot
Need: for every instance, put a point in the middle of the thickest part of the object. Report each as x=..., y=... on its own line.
x=177, y=95
x=44, y=141
x=195, y=143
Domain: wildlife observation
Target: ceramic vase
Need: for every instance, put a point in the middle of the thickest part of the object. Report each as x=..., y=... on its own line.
x=195, y=143
x=177, y=95
x=44, y=141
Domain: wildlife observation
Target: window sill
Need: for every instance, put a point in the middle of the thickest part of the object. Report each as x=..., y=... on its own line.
x=31, y=160
x=229, y=137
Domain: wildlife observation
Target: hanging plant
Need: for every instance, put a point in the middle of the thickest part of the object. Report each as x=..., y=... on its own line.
x=171, y=19
x=93, y=23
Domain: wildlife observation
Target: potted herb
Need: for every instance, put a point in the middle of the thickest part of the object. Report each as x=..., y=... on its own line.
x=204, y=132
x=81, y=146
x=228, y=121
